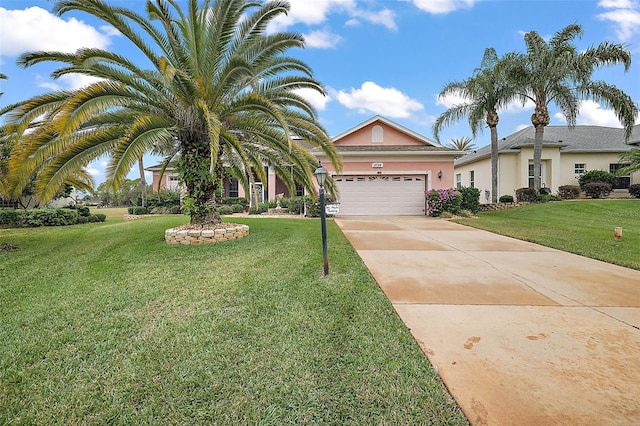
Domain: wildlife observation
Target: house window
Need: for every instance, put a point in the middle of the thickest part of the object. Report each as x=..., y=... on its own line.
x=622, y=182
x=472, y=179
x=579, y=168
x=233, y=187
x=531, y=175
x=377, y=134
x=458, y=180
x=173, y=182
x=299, y=190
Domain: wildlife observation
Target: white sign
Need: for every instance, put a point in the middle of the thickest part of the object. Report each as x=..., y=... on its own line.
x=377, y=165
x=332, y=208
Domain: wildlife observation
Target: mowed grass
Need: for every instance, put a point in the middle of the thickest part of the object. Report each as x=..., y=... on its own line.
x=584, y=227
x=106, y=324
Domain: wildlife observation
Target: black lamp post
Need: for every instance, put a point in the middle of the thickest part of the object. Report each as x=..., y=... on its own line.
x=321, y=176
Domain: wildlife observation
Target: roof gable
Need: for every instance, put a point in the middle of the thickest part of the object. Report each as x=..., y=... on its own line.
x=379, y=131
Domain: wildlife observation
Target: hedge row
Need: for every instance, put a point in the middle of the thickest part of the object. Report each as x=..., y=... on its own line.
x=47, y=217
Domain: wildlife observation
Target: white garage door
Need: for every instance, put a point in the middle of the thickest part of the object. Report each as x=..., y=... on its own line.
x=381, y=195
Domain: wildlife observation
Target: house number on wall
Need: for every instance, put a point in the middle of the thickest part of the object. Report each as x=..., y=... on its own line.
x=376, y=165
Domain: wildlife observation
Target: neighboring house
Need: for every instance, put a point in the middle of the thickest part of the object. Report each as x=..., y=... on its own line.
x=567, y=153
x=386, y=169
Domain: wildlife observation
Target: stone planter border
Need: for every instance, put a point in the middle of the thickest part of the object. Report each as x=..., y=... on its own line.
x=230, y=231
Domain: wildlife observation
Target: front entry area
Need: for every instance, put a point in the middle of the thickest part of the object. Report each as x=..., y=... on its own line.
x=381, y=195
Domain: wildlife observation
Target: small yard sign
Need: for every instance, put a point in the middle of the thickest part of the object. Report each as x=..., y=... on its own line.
x=333, y=208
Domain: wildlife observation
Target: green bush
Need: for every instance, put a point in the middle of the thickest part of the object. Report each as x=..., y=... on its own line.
x=634, y=190
x=235, y=200
x=83, y=211
x=295, y=205
x=597, y=189
x=526, y=195
x=163, y=198
x=569, y=192
x=101, y=217
x=130, y=210
x=470, y=199
x=139, y=210
x=284, y=203
x=443, y=200
x=506, y=199
x=597, y=176
x=11, y=217
x=225, y=210
x=175, y=210
x=237, y=208
x=83, y=219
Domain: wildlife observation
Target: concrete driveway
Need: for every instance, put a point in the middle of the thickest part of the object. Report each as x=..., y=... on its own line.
x=520, y=333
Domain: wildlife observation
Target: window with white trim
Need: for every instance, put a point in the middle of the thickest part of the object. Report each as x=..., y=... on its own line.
x=458, y=180
x=579, y=168
x=472, y=178
x=377, y=134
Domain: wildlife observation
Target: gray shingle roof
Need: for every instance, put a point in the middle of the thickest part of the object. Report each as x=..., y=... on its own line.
x=577, y=139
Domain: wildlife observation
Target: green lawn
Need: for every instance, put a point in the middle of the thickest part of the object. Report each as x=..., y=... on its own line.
x=106, y=324
x=585, y=227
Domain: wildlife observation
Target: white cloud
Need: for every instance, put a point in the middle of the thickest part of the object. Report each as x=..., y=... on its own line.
x=67, y=81
x=93, y=171
x=591, y=113
x=389, y=102
x=322, y=39
x=302, y=13
x=439, y=7
x=514, y=107
x=522, y=126
x=315, y=98
x=625, y=16
x=35, y=29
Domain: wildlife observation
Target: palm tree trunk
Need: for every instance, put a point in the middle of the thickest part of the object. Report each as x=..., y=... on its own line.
x=143, y=183
x=494, y=164
x=537, y=157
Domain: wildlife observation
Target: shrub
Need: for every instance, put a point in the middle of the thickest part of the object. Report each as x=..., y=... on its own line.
x=284, y=203
x=237, y=208
x=526, y=195
x=175, y=210
x=597, y=189
x=83, y=219
x=470, y=199
x=634, y=190
x=296, y=205
x=597, y=176
x=101, y=217
x=93, y=218
x=83, y=211
x=163, y=198
x=235, y=200
x=506, y=199
x=11, y=217
x=443, y=200
x=569, y=192
x=225, y=210
x=465, y=213
x=130, y=210
x=139, y=210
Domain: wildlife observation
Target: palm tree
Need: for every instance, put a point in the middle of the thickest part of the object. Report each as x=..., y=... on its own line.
x=462, y=144
x=218, y=88
x=485, y=93
x=632, y=158
x=556, y=71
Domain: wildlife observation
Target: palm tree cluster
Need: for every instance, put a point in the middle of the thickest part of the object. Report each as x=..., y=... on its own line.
x=549, y=72
x=219, y=95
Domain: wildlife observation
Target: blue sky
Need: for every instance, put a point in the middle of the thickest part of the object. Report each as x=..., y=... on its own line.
x=387, y=57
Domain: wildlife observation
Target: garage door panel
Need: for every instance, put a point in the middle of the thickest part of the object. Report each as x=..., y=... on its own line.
x=381, y=195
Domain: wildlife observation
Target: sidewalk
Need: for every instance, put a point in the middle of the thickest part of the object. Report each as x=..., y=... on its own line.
x=520, y=333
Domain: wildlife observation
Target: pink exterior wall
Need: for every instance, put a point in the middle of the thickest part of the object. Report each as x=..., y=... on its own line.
x=391, y=137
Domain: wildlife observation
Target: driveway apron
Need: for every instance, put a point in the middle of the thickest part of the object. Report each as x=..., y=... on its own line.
x=520, y=333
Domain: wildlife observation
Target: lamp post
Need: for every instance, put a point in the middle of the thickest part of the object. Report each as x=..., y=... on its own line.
x=321, y=176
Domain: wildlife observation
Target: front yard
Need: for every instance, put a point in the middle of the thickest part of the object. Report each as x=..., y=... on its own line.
x=106, y=324
x=584, y=227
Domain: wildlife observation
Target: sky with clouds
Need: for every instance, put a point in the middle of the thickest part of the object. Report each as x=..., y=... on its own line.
x=387, y=57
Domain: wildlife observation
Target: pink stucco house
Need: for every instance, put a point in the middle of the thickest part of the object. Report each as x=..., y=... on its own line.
x=386, y=170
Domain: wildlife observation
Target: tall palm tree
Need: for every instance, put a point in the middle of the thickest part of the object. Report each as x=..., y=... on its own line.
x=217, y=87
x=556, y=71
x=484, y=94
x=462, y=144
